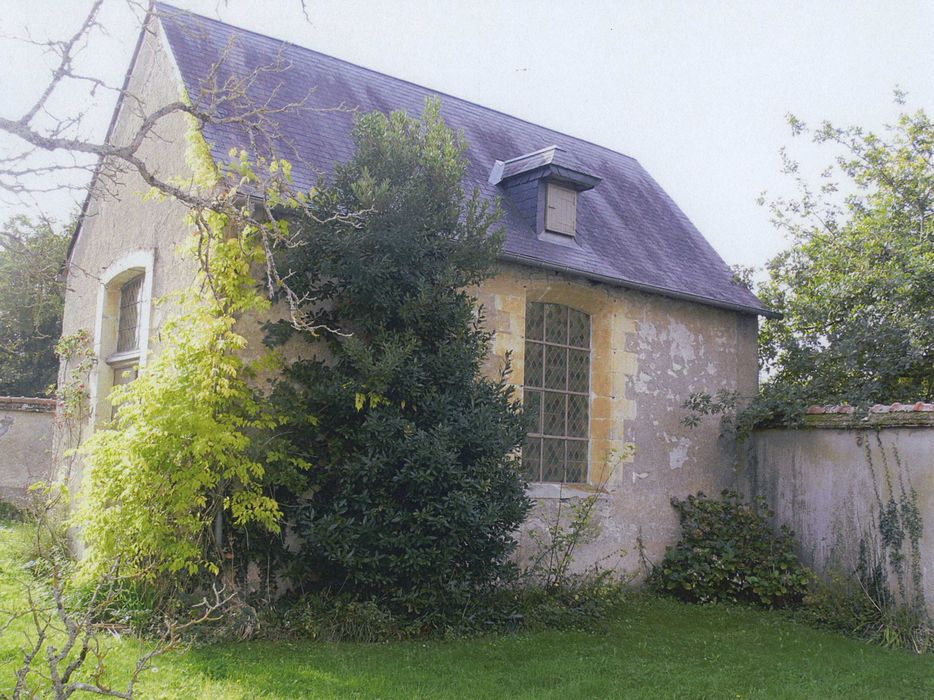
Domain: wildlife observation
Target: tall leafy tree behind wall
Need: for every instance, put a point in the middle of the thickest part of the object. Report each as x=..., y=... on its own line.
x=413, y=493
x=856, y=287
x=32, y=288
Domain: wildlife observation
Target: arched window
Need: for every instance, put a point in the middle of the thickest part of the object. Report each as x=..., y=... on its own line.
x=121, y=335
x=556, y=393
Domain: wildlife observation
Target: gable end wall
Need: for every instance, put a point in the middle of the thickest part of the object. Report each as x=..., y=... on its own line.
x=120, y=226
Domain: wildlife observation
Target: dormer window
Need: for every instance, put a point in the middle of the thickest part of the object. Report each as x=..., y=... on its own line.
x=560, y=209
x=545, y=187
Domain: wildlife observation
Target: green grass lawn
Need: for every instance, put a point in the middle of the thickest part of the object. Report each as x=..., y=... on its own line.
x=650, y=649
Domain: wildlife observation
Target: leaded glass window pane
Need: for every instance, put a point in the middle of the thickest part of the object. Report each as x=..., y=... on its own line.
x=554, y=410
x=556, y=324
x=556, y=367
x=577, y=415
x=535, y=321
x=557, y=359
x=532, y=406
x=553, y=457
x=576, y=469
x=532, y=459
x=578, y=329
x=579, y=371
x=128, y=320
x=534, y=363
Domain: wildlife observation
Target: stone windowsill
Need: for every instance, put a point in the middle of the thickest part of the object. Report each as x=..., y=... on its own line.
x=123, y=359
x=553, y=491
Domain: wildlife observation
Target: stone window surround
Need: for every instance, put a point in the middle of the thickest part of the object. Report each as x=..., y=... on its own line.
x=545, y=341
x=613, y=359
x=606, y=387
x=118, y=273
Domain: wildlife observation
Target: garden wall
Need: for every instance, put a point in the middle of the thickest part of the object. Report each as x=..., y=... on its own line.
x=26, y=426
x=829, y=480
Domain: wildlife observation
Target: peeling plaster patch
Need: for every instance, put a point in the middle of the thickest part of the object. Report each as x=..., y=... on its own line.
x=641, y=383
x=639, y=475
x=681, y=344
x=678, y=455
x=647, y=332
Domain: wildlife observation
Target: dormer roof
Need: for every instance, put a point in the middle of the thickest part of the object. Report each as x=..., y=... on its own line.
x=552, y=162
x=629, y=231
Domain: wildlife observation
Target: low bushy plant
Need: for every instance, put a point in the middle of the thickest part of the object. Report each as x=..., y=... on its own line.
x=844, y=604
x=581, y=601
x=729, y=553
x=326, y=617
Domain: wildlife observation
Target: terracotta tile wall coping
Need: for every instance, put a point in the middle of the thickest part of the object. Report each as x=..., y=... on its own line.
x=917, y=407
x=895, y=415
x=27, y=403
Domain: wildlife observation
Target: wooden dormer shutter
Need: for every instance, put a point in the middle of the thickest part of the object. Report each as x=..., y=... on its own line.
x=561, y=210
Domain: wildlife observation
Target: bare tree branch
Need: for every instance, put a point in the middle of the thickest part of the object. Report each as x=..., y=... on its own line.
x=226, y=97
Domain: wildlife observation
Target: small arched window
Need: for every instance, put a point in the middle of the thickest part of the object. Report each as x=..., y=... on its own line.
x=556, y=393
x=121, y=334
x=131, y=294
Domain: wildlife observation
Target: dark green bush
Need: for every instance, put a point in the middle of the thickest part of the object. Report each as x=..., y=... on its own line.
x=729, y=553
x=413, y=491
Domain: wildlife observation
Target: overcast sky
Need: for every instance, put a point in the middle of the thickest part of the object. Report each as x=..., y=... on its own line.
x=697, y=91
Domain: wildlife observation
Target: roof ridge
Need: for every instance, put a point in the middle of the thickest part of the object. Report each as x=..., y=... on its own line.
x=394, y=77
x=552, y=147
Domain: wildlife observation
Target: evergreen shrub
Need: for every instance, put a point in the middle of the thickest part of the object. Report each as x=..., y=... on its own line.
x=413, y=492
x=729, y=553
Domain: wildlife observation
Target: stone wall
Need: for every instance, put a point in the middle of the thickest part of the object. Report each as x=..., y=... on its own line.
x=26, y=427
x=649, y=353
x=827, y=480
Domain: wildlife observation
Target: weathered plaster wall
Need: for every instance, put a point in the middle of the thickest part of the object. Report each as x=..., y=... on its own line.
x=819, y=482
x=25, y=445
x=119, y=223
x=649, y=353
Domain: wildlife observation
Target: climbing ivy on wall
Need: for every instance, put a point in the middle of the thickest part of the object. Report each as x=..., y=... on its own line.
x=889, y=569
x=179, y=464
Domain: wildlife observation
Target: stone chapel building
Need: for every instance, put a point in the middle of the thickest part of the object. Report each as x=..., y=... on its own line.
x=614, y=306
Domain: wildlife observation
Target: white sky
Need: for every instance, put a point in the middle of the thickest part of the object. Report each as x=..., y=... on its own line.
x=697, y=91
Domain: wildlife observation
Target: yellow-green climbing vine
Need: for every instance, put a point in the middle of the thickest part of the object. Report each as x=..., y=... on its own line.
x=181, y=455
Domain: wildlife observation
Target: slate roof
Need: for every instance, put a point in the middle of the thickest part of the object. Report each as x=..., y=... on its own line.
x=630, y=232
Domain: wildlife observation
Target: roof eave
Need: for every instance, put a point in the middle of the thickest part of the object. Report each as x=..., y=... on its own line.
x=638, y=286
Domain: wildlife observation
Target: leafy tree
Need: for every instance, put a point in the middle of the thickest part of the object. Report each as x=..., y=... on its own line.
x=413, y=493
x=31, y=299
x=856, y=288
